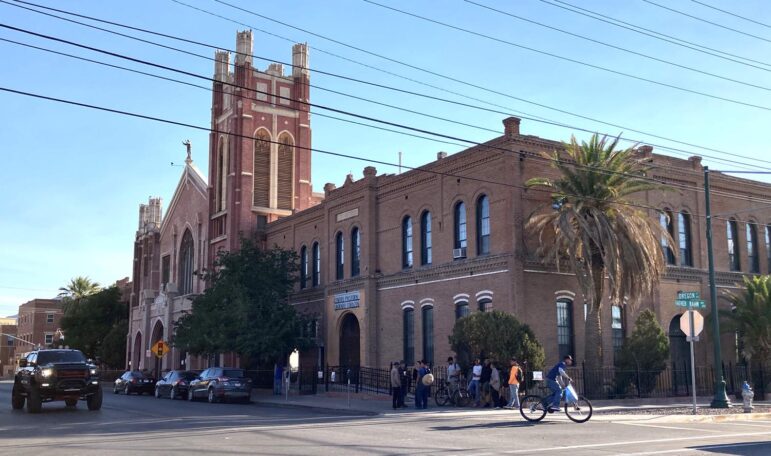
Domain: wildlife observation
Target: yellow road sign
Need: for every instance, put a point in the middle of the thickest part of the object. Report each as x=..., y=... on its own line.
x=160, y=348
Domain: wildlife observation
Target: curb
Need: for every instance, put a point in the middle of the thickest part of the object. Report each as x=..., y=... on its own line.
x=316, y=408
x=688, y=418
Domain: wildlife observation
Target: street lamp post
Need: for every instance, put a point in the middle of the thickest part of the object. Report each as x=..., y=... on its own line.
x=720, y=400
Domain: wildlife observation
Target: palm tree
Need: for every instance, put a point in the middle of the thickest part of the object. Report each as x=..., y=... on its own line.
x=590, y=223
x=79, y=288
x=750, y=317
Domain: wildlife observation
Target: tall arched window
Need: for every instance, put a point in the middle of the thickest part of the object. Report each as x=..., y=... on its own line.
x=186, y=258
x=732, y=233
x=303, y=267
x=565, y=327
x=221, y=176
x=261, y=171
x=339, y=256
x=617, y=327
x=752, y=248
x=408, y=325
x=459, y=230
x=768, y=249
x=483, y=225
x=425, y=238
x=284, y=187
x=427, y=322
x=665, y=220
x=684, y=238
x=461, y=310
x=407, y=242
x=485, y=304
x=316, y=253
x=355, y=252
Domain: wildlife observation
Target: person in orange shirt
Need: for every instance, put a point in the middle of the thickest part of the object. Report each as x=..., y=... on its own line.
x=515, y=376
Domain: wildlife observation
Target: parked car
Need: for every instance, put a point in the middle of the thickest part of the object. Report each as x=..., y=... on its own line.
x=134, y=382
x=174, y=384
x=221, y=384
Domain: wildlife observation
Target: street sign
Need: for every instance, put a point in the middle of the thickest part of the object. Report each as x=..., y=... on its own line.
x=686, y=295
x=691, y=303
x=685, y=323
x=160, y=348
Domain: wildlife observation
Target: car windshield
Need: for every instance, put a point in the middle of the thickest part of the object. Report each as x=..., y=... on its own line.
x=45, y=357
x=137, y=374
x=188, y=375
x=233, y=373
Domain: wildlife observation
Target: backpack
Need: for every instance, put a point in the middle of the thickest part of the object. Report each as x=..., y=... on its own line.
x=520, y=377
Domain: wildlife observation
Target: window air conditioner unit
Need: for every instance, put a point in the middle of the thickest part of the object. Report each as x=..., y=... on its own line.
x=459, y=253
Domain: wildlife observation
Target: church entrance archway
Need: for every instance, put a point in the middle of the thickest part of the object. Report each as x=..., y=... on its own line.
x=680, y=355
x=136, y=353
x=350, y=340
x=157, y=335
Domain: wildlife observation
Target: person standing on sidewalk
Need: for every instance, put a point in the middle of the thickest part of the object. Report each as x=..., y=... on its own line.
x=453, y=374
x=515, y=374
x=405, y=380
x=484, y=381
x=495, y=385
x=473, y=386
x=551, y=381
x=396, y=385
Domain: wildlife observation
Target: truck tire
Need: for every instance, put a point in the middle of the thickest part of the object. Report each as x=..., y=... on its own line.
x=94, y=401
x=34, y=402
x=17, y=400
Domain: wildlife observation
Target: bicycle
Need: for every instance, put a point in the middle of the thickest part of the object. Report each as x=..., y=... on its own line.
x=534, y=407
x=457, y=395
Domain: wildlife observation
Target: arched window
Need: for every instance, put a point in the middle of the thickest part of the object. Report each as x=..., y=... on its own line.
x=617, y=327
x=409, y=336
x=186, y=258
x=732, y=233
x=483, y=225
x=316, y=281
x=665, y=220
x=261, y=171
x=485, y=304
x=684, y=238
x=355, y=252
x=303, y=267
x=460, y=227
x=768, y=249
x=339, y=256
x=752, y=248
x=284, y=187
x=461, y=310
x=425, y=238
x=427, y=322
x=220, y=190
x=565, y=327
x=407, y=242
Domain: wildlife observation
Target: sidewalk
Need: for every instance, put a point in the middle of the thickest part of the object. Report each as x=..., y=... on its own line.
x=604, y=410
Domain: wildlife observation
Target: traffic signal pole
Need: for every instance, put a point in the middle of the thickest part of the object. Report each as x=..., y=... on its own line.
x=720, y=400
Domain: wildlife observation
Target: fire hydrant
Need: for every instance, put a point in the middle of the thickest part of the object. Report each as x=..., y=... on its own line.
x=747, y=395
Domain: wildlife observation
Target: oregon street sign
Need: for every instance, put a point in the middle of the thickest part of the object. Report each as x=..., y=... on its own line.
x=691, y=303
x=686, y=295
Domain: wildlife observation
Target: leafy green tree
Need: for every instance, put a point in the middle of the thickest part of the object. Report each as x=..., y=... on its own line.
x=78, y=288
x=750, y=318
x=495, y=335
x=590, y=223
x=113, y=351
x=246, y=308
x=89, y=320
x=643, y=356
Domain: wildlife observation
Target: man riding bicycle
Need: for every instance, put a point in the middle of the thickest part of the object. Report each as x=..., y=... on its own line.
x=554, y=385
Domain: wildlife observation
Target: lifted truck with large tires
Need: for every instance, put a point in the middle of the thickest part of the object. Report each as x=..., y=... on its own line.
x=55, y=375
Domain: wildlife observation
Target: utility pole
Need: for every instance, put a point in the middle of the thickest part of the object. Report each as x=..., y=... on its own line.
x=720, y=400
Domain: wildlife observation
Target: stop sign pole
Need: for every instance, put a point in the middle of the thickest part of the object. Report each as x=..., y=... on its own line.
x=691, y=337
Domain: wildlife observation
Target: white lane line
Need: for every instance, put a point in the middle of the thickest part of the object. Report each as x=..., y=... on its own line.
x=734, y=423
x=679, y=428
x=641, y=442
x=676, y=450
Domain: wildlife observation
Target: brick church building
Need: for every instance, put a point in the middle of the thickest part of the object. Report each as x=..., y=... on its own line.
x=390, y=261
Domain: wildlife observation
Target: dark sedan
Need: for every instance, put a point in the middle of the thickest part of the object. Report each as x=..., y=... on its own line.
x=134, y=382
x=174, y=384
x=221, y=384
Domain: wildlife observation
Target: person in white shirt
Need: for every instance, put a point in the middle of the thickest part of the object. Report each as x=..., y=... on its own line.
x=473, y=386
x=453, y=373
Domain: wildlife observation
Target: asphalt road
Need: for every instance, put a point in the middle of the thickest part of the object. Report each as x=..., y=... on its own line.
x=148, y=426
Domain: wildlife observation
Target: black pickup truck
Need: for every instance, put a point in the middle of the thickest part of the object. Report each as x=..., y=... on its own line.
x=55, y=375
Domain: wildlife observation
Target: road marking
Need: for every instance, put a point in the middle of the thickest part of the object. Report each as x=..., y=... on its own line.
x=628, y=423
x=699, y=448
x=640, y=442
x=747, y=424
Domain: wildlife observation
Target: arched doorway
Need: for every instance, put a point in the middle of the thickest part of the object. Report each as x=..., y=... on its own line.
x=680, y=355
x=136, y=353
x=157, y=335
x=349, y=341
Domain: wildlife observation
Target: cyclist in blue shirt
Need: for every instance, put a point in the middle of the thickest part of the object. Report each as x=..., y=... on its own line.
x=551, y=381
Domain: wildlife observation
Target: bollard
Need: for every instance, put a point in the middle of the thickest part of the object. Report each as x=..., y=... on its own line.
x=747, y=395
x=349, y=388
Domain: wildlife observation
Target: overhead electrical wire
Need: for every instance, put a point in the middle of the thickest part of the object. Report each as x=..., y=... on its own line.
x=421, y=169
x=523, y=115
x=656, y=34
x=732, y=14
x=569, y=59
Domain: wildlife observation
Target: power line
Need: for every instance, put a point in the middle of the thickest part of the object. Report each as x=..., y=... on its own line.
x=525, y=116
x=569, y=59
x=655, y=34
x=732, y=14
x=707, y=21
x=613, y=46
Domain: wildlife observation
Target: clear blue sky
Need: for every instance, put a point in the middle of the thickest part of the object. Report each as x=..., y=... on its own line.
x=72, y=179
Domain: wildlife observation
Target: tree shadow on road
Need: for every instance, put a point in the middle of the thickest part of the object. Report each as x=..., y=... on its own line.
x=500, y=424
